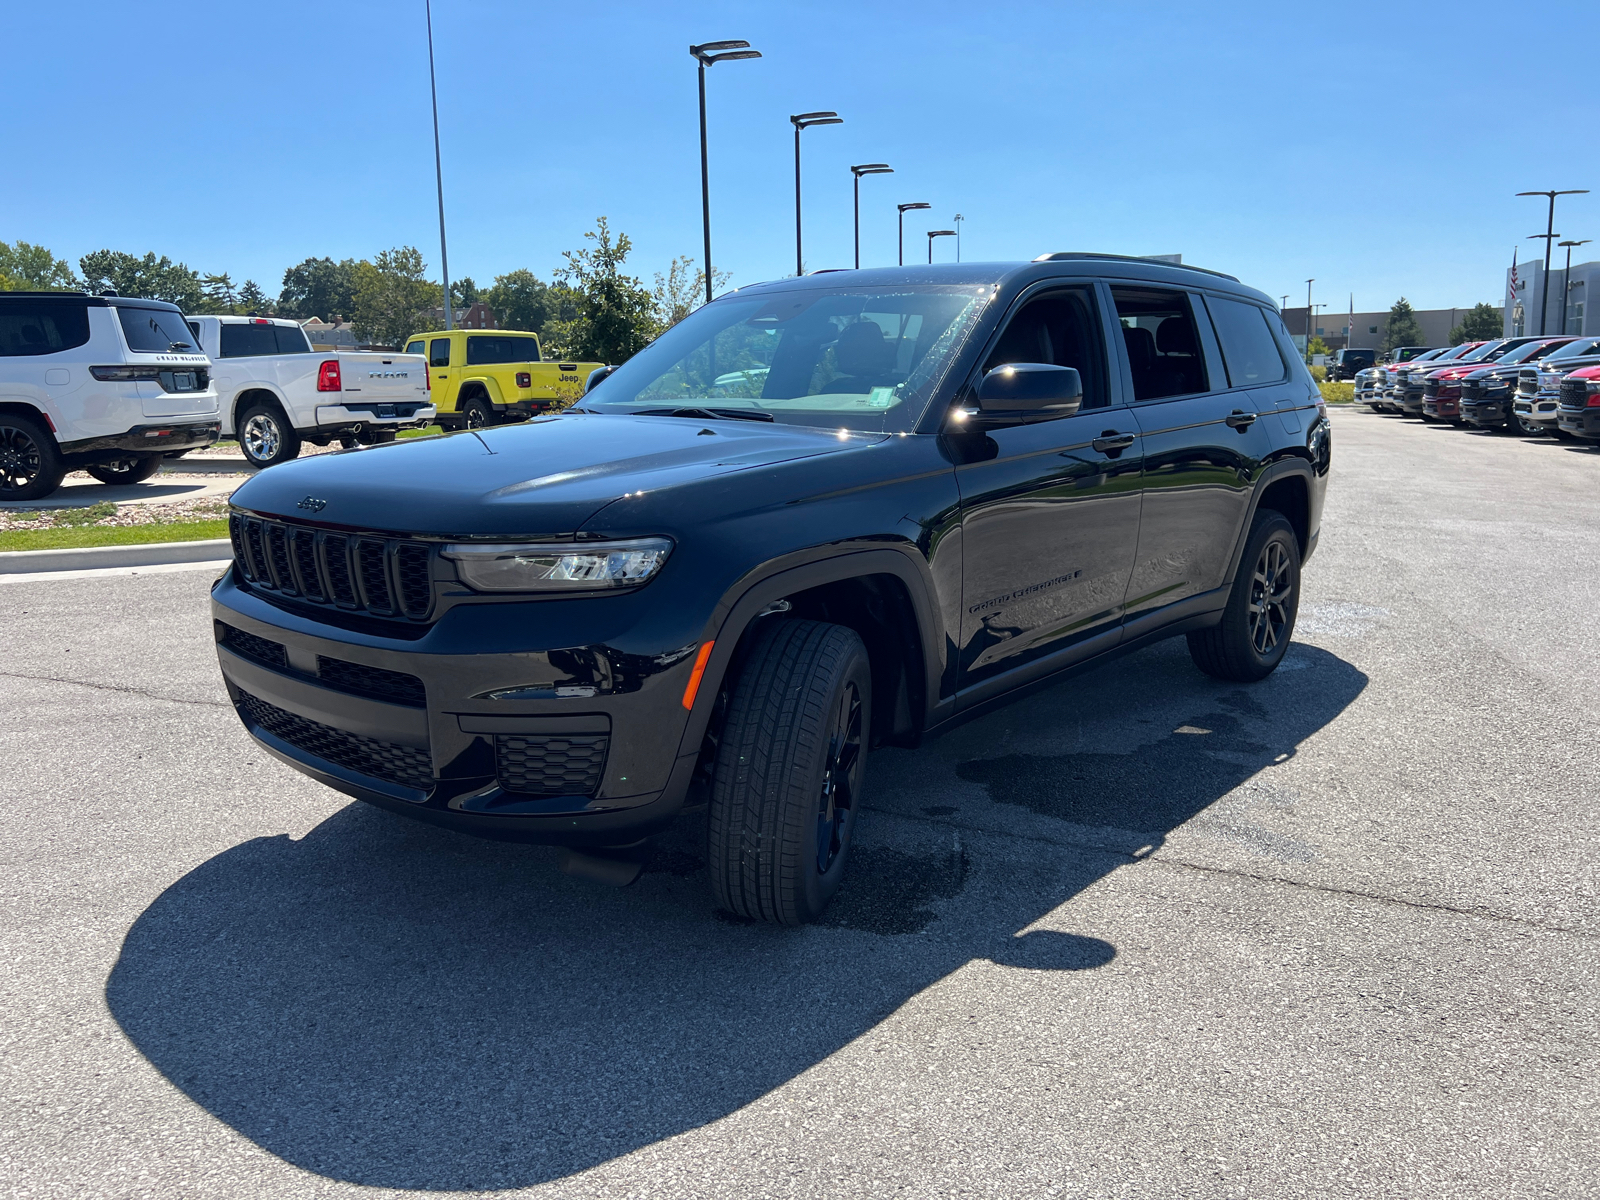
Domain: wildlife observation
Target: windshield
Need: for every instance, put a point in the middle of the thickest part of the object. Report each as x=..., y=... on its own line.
x=1577, y=349
x=1488, y=350
x=1524, y=353
x=836, y=357
x=157, y=330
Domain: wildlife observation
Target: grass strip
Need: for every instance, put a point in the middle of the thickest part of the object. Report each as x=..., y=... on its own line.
x=111, y=535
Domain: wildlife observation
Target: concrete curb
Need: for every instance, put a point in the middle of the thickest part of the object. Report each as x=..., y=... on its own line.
x=13, y=562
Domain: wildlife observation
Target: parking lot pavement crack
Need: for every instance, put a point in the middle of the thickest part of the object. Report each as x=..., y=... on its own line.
x=115, y=687
x=1160, y=857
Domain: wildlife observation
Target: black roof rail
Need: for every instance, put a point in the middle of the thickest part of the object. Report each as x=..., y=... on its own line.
x=50, y=292
x=1068, y=255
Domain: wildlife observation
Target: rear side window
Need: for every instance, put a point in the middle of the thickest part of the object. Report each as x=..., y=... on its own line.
x=1248, y=347
x=248, y=341
x=439, y=352
x=1163, y=351
x=156, y=330
x=484, y=351
x=28, y=327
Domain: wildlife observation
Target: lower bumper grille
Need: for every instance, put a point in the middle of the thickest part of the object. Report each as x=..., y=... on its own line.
x=356, y=679
x=405, y=765
x=551, y=764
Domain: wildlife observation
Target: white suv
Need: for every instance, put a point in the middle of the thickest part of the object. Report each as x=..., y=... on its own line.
x=106, y=384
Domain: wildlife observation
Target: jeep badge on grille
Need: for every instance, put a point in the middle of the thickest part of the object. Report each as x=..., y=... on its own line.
x=312, y=504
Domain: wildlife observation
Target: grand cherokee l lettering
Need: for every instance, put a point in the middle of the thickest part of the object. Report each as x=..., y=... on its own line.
x=814, y=517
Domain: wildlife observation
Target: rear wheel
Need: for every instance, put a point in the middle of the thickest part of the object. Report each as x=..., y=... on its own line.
x=787, y=781
x=1250, y=641
x=265, y=435
x=477, y=413
x=126, y=470
x=30, y=465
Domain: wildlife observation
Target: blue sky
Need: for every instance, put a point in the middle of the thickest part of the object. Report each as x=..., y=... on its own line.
x=1272, y=141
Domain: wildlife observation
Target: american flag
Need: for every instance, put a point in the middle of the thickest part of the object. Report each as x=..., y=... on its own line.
x=1513, y=272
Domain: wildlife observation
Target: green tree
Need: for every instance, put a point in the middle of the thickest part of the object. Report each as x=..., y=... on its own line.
x=463, y=293
x=678, y=293
x=253, y=300
x=1317, y=346
x=149, y=278
x=319, y=287
x=393, y=296
x=1403, y=329
x=521, y=300
x=1482, y=322
x=220, y=294
x=26, y=267
x=615, y=314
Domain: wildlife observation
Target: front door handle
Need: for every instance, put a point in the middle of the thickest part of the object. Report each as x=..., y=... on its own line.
x=1112, y=442
x=1239, y=419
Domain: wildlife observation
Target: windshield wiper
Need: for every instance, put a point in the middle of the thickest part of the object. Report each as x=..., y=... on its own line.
x=171, y=346
x=701, y=414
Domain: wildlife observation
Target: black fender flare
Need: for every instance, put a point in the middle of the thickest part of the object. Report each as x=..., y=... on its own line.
x=1283, y=468
x=800, y=572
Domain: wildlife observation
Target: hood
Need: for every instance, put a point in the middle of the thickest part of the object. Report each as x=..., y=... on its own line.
x=1585, y=373
x=538, y=479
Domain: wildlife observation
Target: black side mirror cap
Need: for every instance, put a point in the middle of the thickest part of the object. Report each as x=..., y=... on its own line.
x=596, y=376
x=1030, y=392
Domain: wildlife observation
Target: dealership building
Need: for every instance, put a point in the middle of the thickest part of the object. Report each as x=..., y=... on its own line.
x=1523, y=306
x=1367, y=329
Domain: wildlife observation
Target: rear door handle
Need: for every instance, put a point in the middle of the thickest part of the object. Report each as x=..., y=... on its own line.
x=1239, y=419
x=1111, y=441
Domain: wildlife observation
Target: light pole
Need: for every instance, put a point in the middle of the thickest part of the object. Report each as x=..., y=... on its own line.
x=709, y=54
x=904, y=209
x=1566, y=278
x=805, y=121
x=858, y=171
x=438, y=166
x=1549, y=235
x=933, y=233
x=956, y=221
x=1309, y=282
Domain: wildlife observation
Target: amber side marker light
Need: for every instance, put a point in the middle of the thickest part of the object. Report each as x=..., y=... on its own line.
x=700, y=661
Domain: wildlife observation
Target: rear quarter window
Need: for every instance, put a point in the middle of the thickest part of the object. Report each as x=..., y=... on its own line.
x=486, y=351
x=291, y=339
x=1248, y=348
x=28, y=327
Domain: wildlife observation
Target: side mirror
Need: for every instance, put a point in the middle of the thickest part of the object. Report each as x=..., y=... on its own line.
x=596, y=376
x=1030, y=391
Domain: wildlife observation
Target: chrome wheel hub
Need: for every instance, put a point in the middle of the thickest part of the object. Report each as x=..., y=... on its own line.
x=261, y=438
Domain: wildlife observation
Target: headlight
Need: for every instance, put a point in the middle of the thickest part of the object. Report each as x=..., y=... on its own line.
x=596, y=566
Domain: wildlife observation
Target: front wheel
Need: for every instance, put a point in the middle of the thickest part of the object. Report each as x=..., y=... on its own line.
x=1519, y=426
x=30, y=465
x=786, y=787
x=1250, y=640
x=265, y=435
x=126, y=470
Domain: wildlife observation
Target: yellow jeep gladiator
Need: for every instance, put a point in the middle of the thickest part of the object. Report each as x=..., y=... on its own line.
x=489, y=378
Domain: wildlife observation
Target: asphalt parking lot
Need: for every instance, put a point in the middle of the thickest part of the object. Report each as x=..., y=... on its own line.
x=1143, y=934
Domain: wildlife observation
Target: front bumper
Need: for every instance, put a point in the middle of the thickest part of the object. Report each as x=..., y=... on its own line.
x=1542, y=409
x=1580, y=422
x=1486, y=414
x=562, y=761
x=1410, y=402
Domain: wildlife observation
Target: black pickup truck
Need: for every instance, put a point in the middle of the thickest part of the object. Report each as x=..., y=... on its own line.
x=816, y=516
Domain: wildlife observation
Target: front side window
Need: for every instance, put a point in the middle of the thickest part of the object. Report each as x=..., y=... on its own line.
x=1249, y=350
x=1062, y=330
x=868, y=359
x=439, y=352
x=156, y=330
x=414, y=347
x=28, y=327
x=1163, y=351
x=485, y=351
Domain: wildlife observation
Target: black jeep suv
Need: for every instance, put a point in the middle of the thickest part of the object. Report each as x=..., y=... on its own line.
x=813, y=517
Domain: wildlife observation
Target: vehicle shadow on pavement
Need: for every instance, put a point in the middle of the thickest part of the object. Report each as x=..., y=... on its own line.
x=392, y=1005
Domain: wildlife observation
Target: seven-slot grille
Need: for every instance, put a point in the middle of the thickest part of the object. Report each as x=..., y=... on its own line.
x=1574, y=393
x=551, y=764
x=387, y=577
x=404, y=765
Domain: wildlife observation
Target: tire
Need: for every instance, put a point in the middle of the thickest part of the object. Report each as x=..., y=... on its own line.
x=787, y=782
x=1250, y=641
x=1517, y=426
x=126, y=471
x=265, y=435
x=477, y=413
x=30, y=464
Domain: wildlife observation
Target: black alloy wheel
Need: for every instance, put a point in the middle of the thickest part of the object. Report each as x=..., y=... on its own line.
x=30, y=465
x=477, y=413
x=1258, y=621
x=134, y=469
x=786, y=785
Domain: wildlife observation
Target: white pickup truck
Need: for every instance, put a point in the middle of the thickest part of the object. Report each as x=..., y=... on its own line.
x=276, y=392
